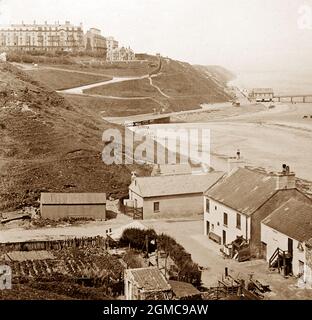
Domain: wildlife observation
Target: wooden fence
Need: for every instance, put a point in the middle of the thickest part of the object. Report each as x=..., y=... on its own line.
x=53, y=244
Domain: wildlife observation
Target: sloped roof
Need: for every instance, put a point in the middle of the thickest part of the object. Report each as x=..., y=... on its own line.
x=149, y=279
x=243, y=189
x=183, y=289
x=73, y=198
x=174, y=185
x=262, y=90
x=293, y=218
x=172, y=169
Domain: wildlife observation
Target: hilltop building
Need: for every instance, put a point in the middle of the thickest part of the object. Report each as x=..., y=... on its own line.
x=111, y=44
x=62, y=37
x=120, y=54
x=42, y=37
x=95, y=42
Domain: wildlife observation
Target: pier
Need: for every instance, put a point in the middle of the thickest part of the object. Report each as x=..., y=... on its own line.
x=300, y=98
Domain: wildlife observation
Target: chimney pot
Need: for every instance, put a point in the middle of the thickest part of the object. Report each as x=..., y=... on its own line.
x=285, y=180
x=236, y=162
x=133, y=176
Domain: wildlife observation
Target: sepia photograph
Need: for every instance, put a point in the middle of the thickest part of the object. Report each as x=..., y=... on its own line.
x=155, y=150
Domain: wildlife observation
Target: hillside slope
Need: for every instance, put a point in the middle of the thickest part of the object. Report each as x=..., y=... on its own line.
x=46, y=144
x=177, y=86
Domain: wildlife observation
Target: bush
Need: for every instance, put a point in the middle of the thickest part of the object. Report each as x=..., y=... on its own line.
x=136, y=239
x=188, y=271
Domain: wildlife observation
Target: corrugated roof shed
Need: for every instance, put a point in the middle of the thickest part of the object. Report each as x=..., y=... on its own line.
x=183, y=289
x=73, y=198
x=174, y=185
x=149, y=279
x=243, y=189
x=294, y=219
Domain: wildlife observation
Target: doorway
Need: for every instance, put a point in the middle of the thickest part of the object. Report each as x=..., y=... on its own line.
x=290, y=246
x=207, y=228
x=224, y=237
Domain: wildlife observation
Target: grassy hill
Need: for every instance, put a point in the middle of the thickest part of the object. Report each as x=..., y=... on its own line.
x=181, y=87
x=47, y=144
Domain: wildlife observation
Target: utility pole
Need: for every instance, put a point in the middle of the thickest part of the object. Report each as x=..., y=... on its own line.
x=146, y=245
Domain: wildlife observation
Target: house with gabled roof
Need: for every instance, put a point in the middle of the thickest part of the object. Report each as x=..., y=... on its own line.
x=146, y=284
x=285, y=233
x=236, y=205
x=172, y=195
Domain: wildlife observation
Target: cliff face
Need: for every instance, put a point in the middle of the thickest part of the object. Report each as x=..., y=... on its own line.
x=46, y=144
x=217, y=73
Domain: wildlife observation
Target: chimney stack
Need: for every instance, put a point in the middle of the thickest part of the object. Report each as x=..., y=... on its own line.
x=285, y=179
x=236, y=162
x=133, y=176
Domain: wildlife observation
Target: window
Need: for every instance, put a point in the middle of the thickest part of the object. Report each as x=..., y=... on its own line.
x=215, y=207
x=225, y=219
x=156, y=206
x=207, y=205
x=238, y=221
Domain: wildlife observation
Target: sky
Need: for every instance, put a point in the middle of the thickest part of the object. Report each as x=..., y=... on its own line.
x=237, y=34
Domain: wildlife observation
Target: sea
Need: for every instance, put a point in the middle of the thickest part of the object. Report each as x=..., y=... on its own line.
x=283, y=82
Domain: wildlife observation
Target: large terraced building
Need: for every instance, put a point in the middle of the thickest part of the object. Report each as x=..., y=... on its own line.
x=46, y=37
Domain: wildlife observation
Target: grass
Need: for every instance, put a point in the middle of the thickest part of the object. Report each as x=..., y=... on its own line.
x=131, y=69
x=112, y=107
x=53, y=147
x=60, y=80
x=126, y=89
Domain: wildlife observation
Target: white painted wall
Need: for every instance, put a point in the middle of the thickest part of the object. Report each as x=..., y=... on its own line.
x=275, y=239
x=170, y=206
x=215, y=218
x=136, y=199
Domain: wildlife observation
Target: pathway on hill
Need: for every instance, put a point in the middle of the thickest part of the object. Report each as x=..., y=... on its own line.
x=156, y=87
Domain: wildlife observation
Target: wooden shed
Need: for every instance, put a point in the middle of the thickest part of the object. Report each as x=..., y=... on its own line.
x=56, y=206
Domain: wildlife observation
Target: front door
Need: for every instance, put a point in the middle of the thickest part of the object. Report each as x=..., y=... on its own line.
x=224, y=237
x=290, y=246
x=207, y=228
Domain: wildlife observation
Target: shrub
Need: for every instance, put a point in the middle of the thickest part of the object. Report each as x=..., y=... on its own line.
x=188, y=271
x=136, y=238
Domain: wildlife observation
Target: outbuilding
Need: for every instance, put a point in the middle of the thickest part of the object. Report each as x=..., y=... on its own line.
x=146, y=284
x=56, y=206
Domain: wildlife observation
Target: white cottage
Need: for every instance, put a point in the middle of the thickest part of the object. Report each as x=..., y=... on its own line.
x=170, y=196
x=237, y=204
x=285, y=232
